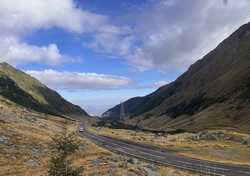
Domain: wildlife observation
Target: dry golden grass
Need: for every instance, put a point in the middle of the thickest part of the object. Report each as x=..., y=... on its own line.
x=25, y=151
x=219, y=151
x=28, y=135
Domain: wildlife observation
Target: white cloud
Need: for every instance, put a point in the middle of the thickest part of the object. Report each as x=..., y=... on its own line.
x=19, y=18
x=175, y=33
x=79, y=81
x=16, y=52
x=111, y=44
x=167, y=35
x=161, y=83
x=24, y=15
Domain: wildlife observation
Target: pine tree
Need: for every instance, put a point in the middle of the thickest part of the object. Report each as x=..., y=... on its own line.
x=60, y=165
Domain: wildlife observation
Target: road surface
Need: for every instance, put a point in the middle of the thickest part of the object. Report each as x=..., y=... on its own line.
x=159, y=156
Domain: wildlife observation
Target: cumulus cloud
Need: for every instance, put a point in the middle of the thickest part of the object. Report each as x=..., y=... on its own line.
x=25, y=15
x=16, y=52
x=19, y=18
x=160, y=83
x=79, y=81
x=114, y=44
x=167, y=35
x=174, y=33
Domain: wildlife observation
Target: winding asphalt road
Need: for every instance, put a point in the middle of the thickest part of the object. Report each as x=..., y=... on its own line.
x=163, y=157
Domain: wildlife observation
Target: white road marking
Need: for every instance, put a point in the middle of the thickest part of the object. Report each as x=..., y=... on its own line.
x=245, y=172
x=125, y=150
x=205, y=166
x=157, y=156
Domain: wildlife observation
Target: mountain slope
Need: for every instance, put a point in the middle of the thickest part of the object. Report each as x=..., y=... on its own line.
x=213, y=93
x=26, y=91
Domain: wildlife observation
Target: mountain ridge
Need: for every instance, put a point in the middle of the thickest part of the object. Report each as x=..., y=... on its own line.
x=221, y=78
x=24, y=90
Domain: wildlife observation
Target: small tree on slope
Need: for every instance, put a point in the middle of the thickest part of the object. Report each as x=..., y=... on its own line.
x=60, y=165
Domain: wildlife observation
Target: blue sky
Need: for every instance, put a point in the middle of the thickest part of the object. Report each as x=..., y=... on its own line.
x=96, y=53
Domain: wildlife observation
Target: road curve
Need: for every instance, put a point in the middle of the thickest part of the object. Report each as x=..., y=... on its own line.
x=159, y=156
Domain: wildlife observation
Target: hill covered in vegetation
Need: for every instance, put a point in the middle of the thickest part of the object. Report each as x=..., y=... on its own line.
x=28, y=92
x=213, y=93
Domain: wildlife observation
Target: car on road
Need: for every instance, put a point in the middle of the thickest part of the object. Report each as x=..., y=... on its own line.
x=81, y=129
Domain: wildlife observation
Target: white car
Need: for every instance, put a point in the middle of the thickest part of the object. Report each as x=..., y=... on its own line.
x=81, y=129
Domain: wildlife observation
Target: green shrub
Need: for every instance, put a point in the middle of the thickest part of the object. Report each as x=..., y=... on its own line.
x=62, y=147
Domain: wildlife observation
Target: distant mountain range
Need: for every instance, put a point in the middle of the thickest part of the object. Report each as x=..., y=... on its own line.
x=214, y=93
x=26, y=91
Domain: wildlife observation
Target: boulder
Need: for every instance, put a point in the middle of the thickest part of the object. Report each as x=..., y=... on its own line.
x=150, y=172
x=133, y=161
x=31, y=163
x=4, y=140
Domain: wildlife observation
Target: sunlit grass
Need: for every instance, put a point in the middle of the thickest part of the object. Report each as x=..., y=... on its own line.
x=213, y=150
x=25, y=131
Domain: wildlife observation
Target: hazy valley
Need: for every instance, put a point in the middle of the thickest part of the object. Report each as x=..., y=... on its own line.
x=175, y=76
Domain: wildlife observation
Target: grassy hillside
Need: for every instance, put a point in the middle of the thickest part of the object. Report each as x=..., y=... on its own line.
x=213, y=93
x=25, y=137
x=26, y=91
